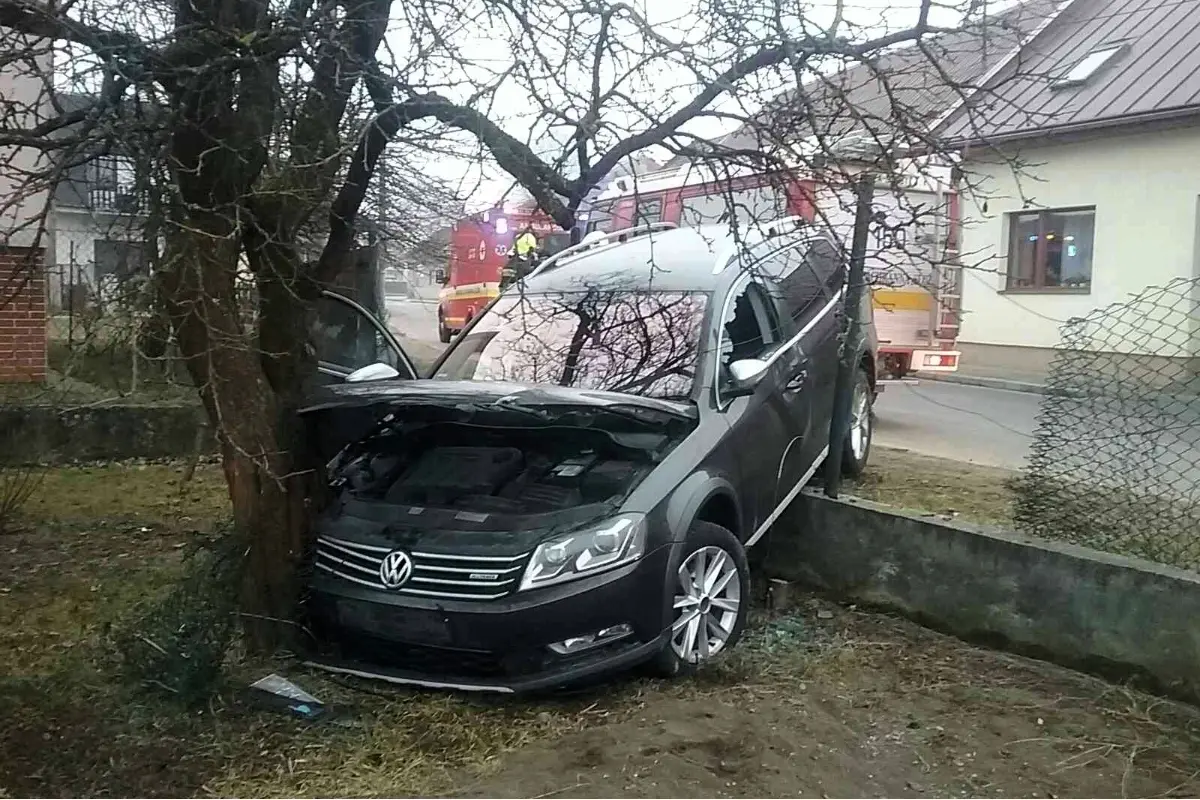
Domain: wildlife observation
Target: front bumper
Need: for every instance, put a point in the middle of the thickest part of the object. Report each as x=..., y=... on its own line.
x=494, y=646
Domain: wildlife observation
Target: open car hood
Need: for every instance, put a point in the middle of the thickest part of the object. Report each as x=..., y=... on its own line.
x=438, y=392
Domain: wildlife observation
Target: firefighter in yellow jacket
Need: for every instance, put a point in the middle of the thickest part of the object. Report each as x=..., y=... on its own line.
x=521, y=259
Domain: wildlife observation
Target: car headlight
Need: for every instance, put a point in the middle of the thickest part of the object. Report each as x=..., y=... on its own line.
x=613, y=543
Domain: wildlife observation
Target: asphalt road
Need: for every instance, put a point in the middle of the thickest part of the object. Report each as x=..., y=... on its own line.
x=965, y=423
x=414, y=321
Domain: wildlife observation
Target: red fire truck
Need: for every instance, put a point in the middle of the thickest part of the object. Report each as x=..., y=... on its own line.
x=911, y=259
x=479, y=246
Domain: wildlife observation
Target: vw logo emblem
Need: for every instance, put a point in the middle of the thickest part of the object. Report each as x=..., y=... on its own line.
x=395, y=569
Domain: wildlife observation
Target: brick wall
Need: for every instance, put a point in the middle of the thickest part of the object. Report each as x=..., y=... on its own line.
x=22, y=316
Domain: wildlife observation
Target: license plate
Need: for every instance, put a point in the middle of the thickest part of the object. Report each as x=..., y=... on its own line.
x=412, y=625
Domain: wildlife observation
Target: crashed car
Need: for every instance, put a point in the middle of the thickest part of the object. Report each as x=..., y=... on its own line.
x=573, y=489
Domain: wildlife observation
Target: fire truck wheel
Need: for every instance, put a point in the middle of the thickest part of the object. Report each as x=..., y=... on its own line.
x=444, y=333
x=857, y=448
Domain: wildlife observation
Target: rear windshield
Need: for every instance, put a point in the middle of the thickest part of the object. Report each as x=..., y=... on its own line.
x=643, y=343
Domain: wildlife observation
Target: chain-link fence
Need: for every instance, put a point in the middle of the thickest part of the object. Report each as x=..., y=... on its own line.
x=1115, y=461
x=104, y=340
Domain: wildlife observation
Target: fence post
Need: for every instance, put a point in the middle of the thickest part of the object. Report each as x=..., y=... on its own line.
x=843, y=395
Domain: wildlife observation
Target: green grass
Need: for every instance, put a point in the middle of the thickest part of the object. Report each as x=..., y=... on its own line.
x=97, y=542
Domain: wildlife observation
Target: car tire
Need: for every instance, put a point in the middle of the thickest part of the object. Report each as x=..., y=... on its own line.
x=444, y=333
x=717, y=552
x=856, y=449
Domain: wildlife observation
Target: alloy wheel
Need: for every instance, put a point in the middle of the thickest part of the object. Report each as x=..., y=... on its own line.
x=860, y=423
x=708, y=597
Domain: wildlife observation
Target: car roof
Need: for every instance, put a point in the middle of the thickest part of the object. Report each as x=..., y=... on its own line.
x=671, y=260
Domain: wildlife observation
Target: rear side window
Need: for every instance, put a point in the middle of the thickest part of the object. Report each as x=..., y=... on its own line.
x=807, y=277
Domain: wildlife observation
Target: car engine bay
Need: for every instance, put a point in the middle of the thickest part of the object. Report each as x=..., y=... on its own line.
x=503, y=470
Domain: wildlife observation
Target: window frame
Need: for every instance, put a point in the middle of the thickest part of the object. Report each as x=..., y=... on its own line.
x=773, y=329
x=640, y=217
x=1107, y=53
x=1011, y=260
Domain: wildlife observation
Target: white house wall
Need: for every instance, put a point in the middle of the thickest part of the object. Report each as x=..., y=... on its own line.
x=75, y=232
x=23, y=102
x=1144, y=188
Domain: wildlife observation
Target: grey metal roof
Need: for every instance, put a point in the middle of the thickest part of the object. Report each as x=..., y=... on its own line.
x=905, y=89
x=1157, y=74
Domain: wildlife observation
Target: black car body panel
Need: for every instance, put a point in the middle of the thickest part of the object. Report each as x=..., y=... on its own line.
x=458, y=479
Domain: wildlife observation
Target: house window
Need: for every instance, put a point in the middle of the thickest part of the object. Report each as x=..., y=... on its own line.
x=120, y=259
x=113, y=172
x=1051, y=250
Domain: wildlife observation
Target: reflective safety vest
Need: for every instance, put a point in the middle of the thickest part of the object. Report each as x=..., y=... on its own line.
x=526, y=244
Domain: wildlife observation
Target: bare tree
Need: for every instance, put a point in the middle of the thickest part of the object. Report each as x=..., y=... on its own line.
x=245, y=116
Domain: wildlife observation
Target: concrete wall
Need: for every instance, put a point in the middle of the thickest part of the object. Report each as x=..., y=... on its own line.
x=1145, y=188
x=1079, y=607
x=44, y=434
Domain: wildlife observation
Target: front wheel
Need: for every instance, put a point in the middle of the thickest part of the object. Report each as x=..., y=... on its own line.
x=711, y=588
x=444, y=333
x=857, y=448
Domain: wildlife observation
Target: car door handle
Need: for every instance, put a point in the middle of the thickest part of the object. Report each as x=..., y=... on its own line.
x=797, y=381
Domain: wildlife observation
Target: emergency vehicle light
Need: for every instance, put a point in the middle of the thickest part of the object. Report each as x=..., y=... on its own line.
x=501, y=225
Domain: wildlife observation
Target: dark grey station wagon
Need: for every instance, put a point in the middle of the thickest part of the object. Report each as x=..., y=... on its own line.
x=573, y=490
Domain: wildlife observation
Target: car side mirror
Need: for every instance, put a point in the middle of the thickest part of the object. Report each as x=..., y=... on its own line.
x=440, y=276
x=745, y=375
x=373, y=372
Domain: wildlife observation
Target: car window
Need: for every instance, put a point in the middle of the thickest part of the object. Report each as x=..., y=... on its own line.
x=750, y=328
x=639, y=342
x=345, y=337
x=806, y=277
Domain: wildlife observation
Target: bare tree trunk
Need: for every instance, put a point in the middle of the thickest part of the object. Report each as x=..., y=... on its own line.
x=260, y=442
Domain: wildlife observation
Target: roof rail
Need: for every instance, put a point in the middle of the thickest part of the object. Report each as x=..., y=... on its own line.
x=757, y=234
x=621, y=236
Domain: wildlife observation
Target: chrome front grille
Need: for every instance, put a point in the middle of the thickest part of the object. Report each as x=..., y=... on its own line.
x=453, y=577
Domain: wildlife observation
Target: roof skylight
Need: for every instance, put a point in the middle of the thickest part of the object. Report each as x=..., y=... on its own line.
x=1087, y=66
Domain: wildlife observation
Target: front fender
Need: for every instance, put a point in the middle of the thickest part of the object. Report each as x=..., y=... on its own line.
x=691, y=495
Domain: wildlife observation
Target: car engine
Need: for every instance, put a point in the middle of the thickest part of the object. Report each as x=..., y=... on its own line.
x=515, y=471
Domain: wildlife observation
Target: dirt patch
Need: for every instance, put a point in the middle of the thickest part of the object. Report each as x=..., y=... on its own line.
x=925, y=483
x=828, y=700
x=884, y=708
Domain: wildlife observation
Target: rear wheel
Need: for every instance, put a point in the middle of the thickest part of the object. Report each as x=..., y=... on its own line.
x=711, y=596
x=857, y=448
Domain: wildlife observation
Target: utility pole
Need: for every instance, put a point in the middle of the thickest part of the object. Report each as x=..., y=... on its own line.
x=843, y=395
